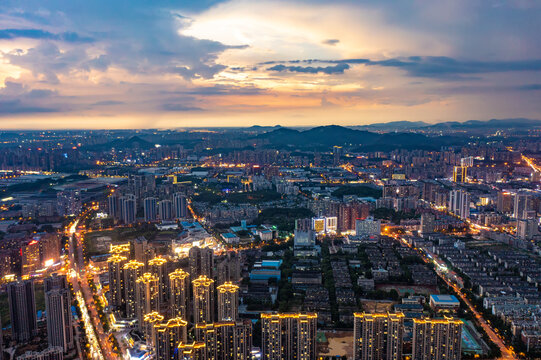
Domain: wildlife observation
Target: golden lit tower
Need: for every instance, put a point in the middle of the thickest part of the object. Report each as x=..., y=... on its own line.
x=179, y=288
x=116, y=281
x=150, y=320
x=120, y=249
x=437, y=339
x=459, y=174
x=133, y=270
x=30, y=257
x=158, y=267
x=226, y=340
x=203, y=300
x=228, y=302
x=168, y=337
x=192, y=351
x=148, y=300
x=378, y=336
x=289, y=336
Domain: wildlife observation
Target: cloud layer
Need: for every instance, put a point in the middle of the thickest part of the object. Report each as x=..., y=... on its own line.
x=239, y=62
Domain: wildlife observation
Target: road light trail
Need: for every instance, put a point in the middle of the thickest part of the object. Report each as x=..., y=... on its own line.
x=89, y=329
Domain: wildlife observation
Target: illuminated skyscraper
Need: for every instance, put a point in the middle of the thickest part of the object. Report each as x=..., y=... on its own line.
x=158, y=267
x=201, y=262
x=49, y=248
x=504, y=203
x=289, y=336
x=120, y=249
x=168, y=336
x=132, y=271
x=58, y=308
x=226, y=340
x=179, y=288
x=148, y=299
x=22, y=310
x=203, y=300
x=192, y=351
x=116, y=281
x=378, y=336
x=437, y=339
x=228, y=302
x=459, y=174
x=149, y=322
x=30, y=259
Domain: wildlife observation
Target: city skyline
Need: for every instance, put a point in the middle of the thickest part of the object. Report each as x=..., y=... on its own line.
x=406, y=241
x=270, y=180
x=236, y=63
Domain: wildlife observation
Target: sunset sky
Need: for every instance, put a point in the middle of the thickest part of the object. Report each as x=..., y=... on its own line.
x=169, y=64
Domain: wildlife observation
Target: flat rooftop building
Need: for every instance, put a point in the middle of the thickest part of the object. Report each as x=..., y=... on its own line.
x=444, y=302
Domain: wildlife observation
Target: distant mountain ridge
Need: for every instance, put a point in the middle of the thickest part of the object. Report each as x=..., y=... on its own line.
x=470, y=124
x=332, y=135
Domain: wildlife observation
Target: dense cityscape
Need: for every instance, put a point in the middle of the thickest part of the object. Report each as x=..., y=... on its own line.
x=270, y=180
x=272, y=243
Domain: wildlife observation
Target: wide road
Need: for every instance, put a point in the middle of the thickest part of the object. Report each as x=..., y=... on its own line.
x=93, y=327
x=531, y=163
